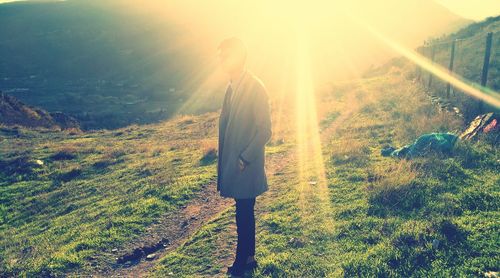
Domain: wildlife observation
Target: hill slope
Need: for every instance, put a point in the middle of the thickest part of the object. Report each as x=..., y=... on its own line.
x=363, y=215
x=110, y=65
x=74, y=203
x=469, y=54
x=14, y=112
x=104, y=64
x=368, y=215
x=468, y=64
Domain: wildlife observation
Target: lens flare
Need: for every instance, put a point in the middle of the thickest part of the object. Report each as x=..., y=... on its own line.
x=471, y=88
x=313, y=185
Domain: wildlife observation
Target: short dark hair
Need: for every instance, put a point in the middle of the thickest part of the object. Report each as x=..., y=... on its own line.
x=235, y=46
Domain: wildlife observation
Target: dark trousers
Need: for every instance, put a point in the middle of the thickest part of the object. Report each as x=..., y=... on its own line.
x=245, y=226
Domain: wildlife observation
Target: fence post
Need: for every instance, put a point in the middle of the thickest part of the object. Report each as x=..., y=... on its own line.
x=450, y=67
x=486, y=65
x=433, y=53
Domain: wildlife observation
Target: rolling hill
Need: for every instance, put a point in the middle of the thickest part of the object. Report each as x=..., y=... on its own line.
x=141, y=200
x=110, y=66
x=15, y=113
x=76, y=204
x=91, y=59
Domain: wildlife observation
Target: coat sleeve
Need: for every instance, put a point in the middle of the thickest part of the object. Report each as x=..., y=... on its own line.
x=222, y=131
x=224, y=114
x=262, y=117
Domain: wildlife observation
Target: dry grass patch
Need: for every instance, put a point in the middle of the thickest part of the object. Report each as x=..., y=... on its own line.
x=210, y=153
x=350, y=151
x=395, y=188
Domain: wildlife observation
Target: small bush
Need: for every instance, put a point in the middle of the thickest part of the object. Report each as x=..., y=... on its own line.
x=114, y=154
x=70, y=175
x=102, y=164
x=209, y=148
x=18, y=168
x=403, y=197
x=451, y=231
x=447, y=170
x=73, y=131
x=330, y=118
x=477, y=154
x=209, y=157
x=66, y=154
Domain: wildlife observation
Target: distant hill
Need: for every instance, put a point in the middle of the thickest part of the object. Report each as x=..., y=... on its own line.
x=14, y=112
x=95, y=60
x=110, y=66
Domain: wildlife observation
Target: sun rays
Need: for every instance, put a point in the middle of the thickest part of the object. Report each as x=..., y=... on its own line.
x=312, y=185
x=469, y=87
x=293, y=88
x=284, y=41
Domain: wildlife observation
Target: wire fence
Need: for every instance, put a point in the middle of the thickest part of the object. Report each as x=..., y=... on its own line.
x=476, y=59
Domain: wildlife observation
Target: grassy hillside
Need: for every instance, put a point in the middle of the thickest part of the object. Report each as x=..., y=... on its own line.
x=372, y=216
x=68, y=200
x=71, y=202
x=13, y=112
x=104, y=64
x=110, y=64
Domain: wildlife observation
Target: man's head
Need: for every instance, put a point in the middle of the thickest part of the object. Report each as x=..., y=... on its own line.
x=232, y=55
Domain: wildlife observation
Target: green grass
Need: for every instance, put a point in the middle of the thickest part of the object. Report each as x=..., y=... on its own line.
x=367, y=215
x=382, y=217
x=94, y=191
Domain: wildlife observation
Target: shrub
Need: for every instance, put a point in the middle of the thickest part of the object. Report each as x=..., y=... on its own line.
x=114, y=154
x=18, y=168
x=70, y=175
x=476, y=198
x=65, y=154
x=477, y=154
x=209, y=156
x=451, y=231
x=209, y=152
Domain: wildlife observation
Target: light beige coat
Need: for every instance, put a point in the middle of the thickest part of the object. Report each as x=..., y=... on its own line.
x=244, y=129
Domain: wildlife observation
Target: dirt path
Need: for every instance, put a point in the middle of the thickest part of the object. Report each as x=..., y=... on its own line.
x=168, y=234
x=178, y=226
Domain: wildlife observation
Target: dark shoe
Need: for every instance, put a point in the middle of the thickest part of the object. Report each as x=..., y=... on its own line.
x=239, y=270
x=236, y=271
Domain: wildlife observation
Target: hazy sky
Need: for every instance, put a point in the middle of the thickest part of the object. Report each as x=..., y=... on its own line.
x=472, y=9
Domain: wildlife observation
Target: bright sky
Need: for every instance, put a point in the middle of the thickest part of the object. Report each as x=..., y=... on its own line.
x=473, y=9
x=7, y=1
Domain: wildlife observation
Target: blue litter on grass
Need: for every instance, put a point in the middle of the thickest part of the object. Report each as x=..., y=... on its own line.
x=431, y=142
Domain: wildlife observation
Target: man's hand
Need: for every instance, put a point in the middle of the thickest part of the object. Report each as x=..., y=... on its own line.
x=242, y=164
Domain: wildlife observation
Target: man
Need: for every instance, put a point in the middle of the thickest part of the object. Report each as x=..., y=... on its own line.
x=244, y=129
